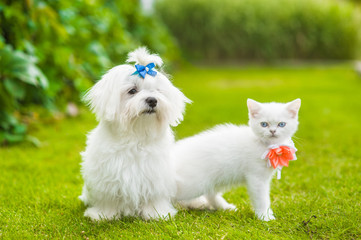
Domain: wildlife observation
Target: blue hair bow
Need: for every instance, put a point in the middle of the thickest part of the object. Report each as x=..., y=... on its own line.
x=143, y=70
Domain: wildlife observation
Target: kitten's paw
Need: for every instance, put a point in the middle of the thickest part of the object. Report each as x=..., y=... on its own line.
x=266, y=216
x=218, y=202
x=229, y=207
x=200, y=203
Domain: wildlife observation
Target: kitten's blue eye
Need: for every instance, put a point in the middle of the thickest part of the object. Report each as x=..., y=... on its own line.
x=264, y=124
x=281, y=124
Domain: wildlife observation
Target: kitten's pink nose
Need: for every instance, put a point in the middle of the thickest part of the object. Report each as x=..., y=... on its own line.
x=273, y=131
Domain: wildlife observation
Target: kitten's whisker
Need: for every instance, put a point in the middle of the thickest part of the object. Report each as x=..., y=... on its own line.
x=298, y=140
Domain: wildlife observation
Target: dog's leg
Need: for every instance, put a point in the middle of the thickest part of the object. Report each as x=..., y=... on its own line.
x=97, y=214
x=84, y=196
x=158, y=209
x=259, y=192
x=218, y=202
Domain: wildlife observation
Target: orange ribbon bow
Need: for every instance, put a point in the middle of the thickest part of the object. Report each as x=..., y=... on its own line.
x=280, y=156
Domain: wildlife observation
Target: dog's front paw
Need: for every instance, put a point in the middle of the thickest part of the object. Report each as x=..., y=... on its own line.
x=160, y=210
x=93, y=213
x=96, y=214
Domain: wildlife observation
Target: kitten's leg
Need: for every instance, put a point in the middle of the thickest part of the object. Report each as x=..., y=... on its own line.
x=259, y=191
x=200, y=203
x=218, y=202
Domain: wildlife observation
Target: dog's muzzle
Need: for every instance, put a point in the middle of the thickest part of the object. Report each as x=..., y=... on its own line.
x=152, y=103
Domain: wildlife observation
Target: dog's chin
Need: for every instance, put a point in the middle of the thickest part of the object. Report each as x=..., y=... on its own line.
x=149, y=112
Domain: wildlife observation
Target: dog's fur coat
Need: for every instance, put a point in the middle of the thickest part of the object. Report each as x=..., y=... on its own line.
x=126, y=165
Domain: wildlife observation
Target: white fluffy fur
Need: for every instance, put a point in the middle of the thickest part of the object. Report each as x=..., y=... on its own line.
x=229, y=155
x=141, y=56
x=126, y=164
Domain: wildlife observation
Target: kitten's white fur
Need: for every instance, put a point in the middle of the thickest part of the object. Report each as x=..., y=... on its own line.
x=126, y=165
x=229, y=155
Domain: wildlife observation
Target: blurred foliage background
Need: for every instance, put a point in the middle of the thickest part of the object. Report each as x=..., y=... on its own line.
x=263, y=29
x=51, y=51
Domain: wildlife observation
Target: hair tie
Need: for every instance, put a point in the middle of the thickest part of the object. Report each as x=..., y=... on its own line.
x=143, y=70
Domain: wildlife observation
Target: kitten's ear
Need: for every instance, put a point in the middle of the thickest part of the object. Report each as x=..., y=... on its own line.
x=293, y=107
x=253, y=108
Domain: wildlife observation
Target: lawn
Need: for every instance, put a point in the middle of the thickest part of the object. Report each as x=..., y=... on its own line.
x=317, y=197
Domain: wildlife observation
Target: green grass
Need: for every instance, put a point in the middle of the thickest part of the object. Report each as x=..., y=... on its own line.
x=39, y=186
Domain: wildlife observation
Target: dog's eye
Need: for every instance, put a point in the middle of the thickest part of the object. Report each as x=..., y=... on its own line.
x=132, y=91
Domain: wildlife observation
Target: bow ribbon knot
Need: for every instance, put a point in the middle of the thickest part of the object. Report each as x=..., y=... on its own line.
x=279, y=156
x=143, y=70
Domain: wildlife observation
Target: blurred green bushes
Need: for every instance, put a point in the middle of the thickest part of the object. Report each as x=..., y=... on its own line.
x=262, y=29
x=52, y=50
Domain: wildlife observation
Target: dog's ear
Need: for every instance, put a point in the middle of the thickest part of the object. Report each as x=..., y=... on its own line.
x=179, y=101
x=104, y=97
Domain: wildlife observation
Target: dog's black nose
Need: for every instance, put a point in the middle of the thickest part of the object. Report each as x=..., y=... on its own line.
x=152, y=102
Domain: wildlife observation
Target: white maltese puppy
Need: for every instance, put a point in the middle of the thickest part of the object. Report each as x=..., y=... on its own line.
x=126, y=164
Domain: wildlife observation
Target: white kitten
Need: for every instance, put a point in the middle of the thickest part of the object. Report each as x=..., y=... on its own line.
x=230, y=155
